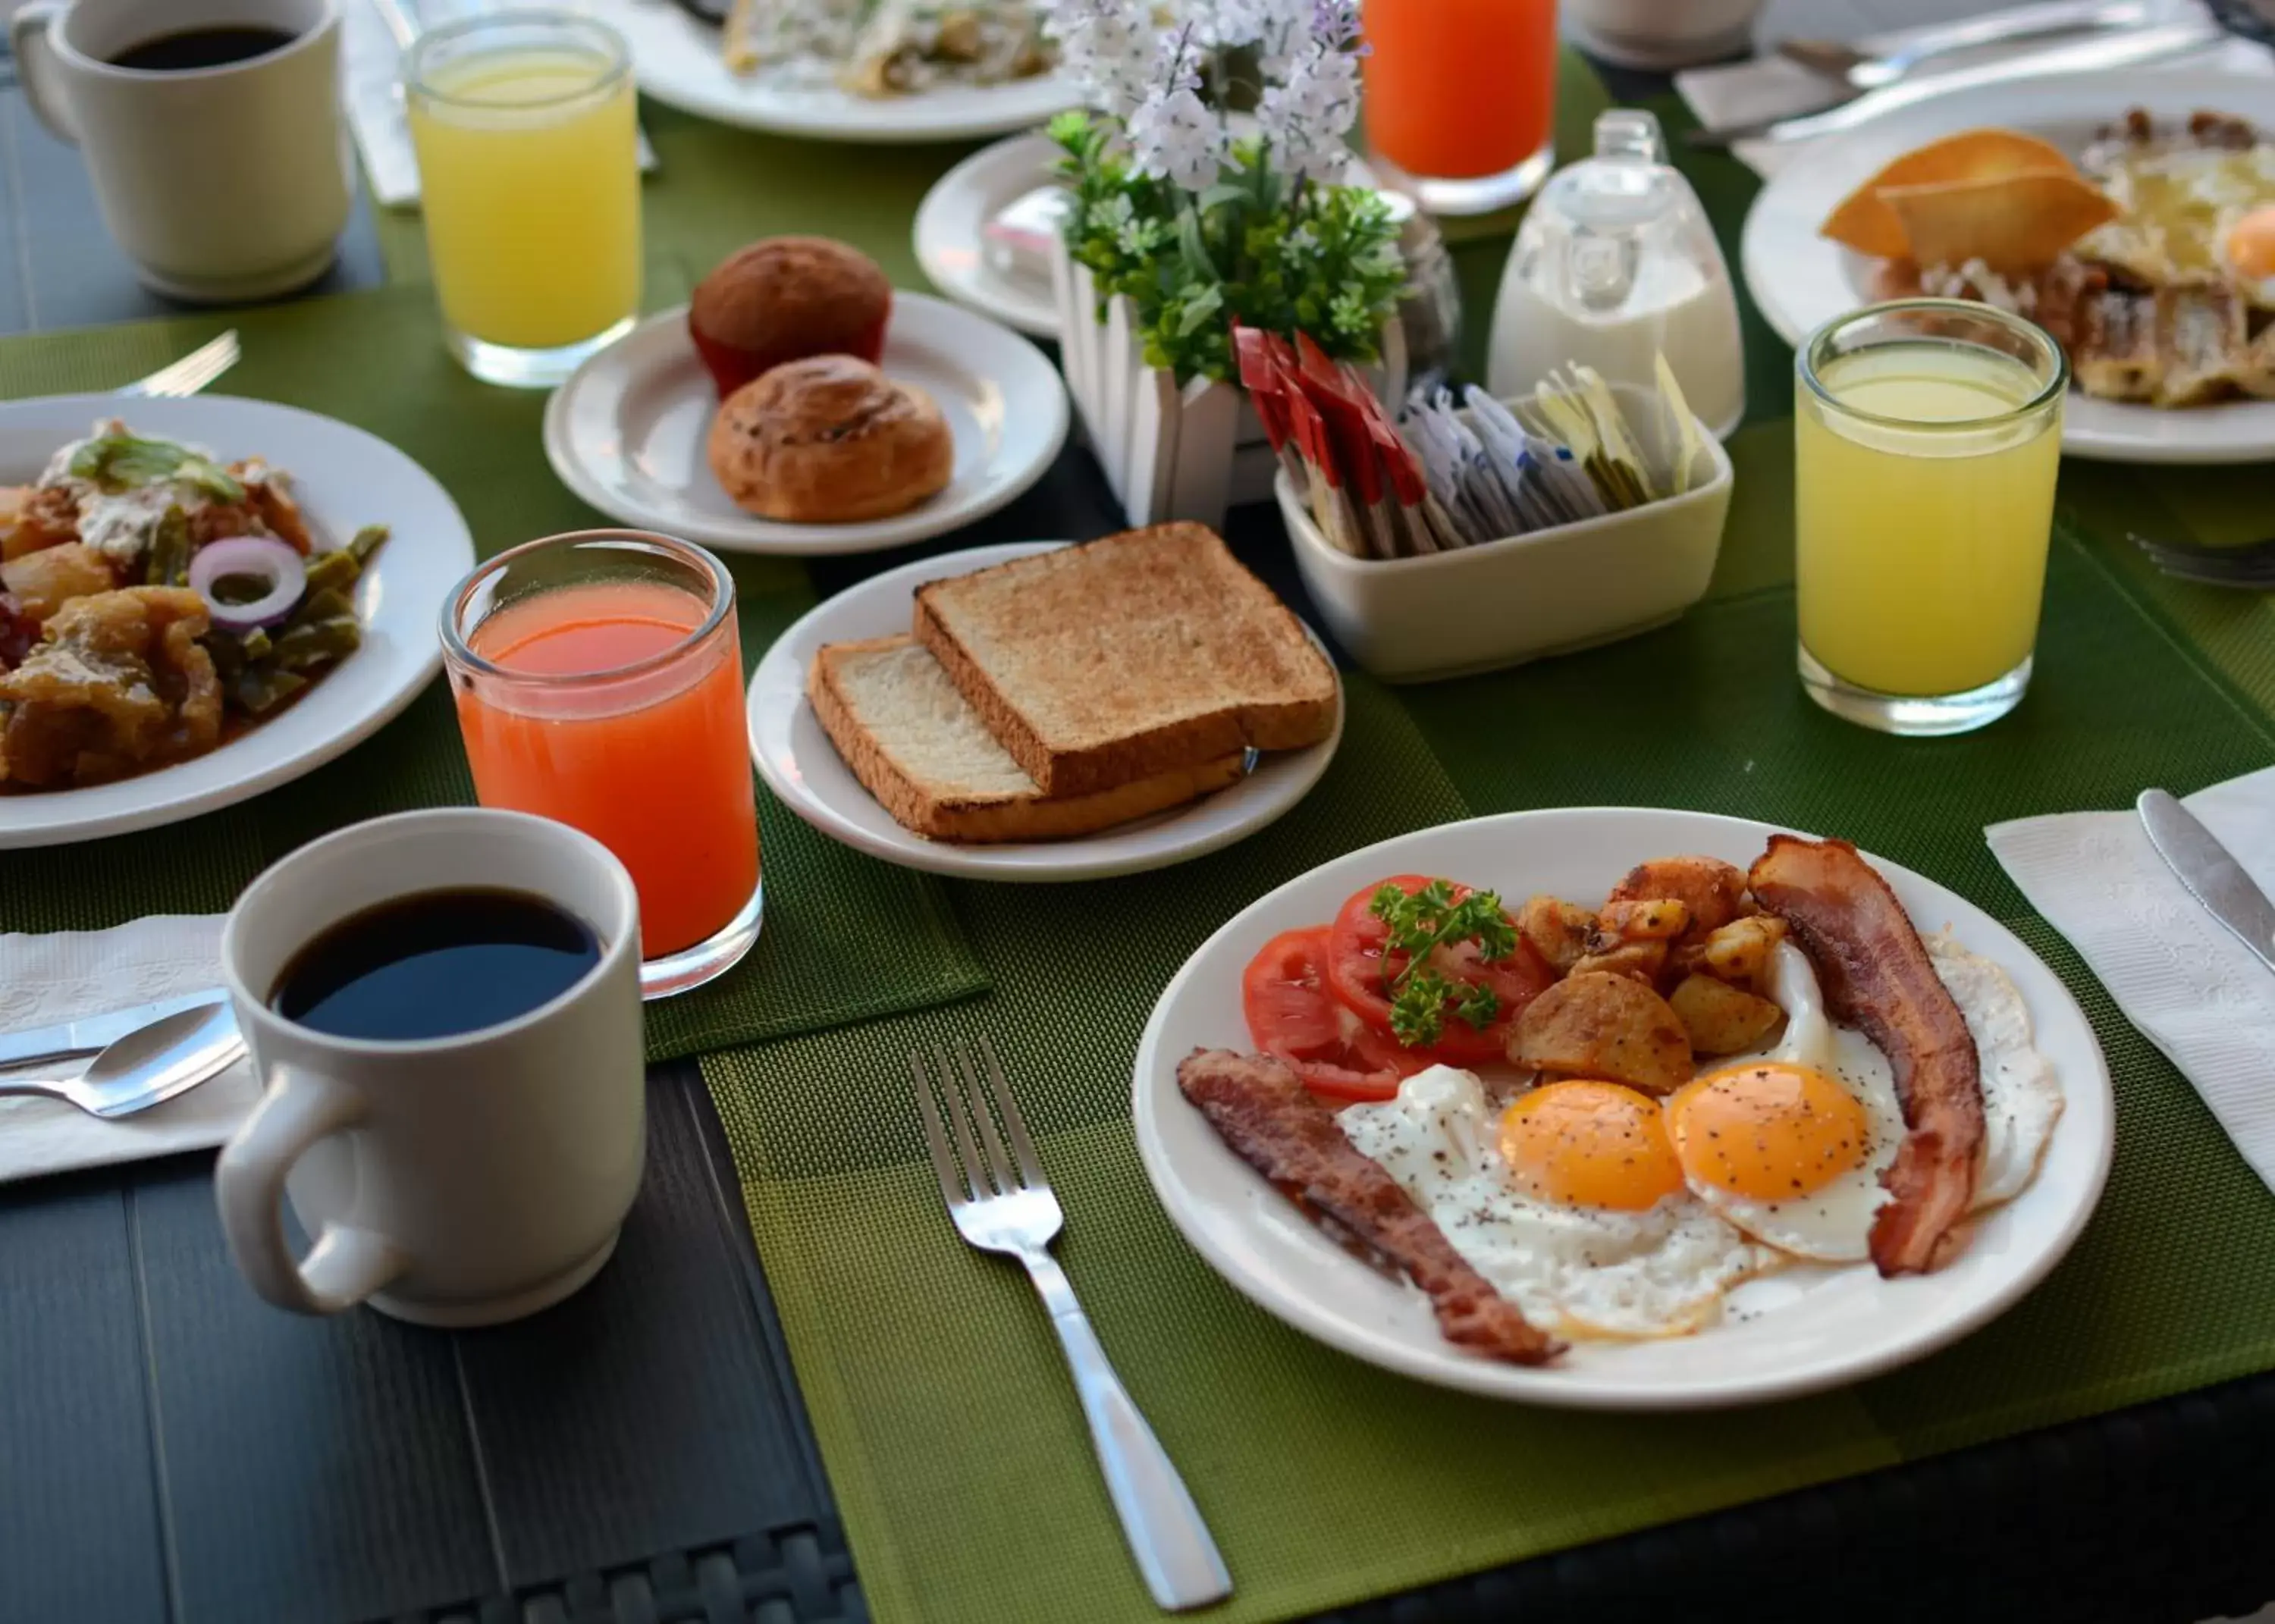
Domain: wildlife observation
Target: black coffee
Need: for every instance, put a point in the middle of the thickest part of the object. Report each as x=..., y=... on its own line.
x=202, y=47
x=434, y=966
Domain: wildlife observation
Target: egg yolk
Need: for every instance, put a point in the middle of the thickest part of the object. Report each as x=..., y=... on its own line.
x=1768, y=1131
x=1585, y=1143
x=2251, y=245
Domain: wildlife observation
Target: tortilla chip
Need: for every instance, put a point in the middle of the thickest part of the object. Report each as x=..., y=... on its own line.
x=2017, y=223
x=1866, y=223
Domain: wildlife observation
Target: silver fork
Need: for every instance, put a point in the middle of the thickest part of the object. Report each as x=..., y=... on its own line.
x=1000, y=1211
x=191, y=374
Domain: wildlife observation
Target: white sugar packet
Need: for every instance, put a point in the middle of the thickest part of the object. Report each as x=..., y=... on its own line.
x=2191, y=989
x=69, y=974
x=1770, y=87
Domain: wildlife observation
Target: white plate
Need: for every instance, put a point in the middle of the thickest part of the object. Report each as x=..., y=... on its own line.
x=1801, y=281
x=345, y=479
x=1816, y=1329
x=627, y=432
x=676, y=61
x=951, y=221
x=800, y=765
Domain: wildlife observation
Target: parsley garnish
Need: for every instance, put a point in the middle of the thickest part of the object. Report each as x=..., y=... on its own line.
x=1420, y=923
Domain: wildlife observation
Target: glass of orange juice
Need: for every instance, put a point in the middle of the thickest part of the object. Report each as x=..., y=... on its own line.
x=528, y=146
x=1461, y=99
x=1928, y=434
x=599, y=680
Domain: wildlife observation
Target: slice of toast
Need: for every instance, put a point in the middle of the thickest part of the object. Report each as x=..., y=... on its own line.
x=1105, y=664
x=916, y=745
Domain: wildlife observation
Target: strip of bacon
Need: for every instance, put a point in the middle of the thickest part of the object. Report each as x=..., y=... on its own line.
x=1273, y=1124
x=1876, y=977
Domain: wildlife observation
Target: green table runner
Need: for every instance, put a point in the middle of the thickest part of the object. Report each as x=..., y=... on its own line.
x=844, y=939
x=952, y=1437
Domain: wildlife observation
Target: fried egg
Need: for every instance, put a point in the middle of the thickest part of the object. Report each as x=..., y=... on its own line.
x=2251, y=255
x=1789, y=1146
x=1570, y=1201
x=2182, y=207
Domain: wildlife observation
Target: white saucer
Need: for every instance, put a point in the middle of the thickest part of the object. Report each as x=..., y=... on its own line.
x=627, y=432
x=950, y=233
x=799, y=764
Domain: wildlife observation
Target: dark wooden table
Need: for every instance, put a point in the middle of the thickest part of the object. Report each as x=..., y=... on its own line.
x=173, y=1449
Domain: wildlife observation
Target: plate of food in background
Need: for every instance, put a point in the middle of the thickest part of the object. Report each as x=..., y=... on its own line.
x=200, y=599
x=800, y=404
x=2135, y=223
x=1623, y=1108
x=1042, y=712
x=865, y=71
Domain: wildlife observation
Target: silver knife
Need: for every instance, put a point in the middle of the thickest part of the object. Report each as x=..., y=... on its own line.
x=72, y=1039
x=2116, y=50
x=2210, y=872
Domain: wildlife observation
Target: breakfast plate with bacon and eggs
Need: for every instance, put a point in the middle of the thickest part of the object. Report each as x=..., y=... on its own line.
x=1671, y=1111
x=2135, y=223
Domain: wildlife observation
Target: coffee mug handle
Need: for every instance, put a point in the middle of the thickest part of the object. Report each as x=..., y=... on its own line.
x=35, y=66
x=345, y=1265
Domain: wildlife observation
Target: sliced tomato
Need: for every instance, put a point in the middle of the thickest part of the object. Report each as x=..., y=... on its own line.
x=1293, y=1016
x=1359, y=969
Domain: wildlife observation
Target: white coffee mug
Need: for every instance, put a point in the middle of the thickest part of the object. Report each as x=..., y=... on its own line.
x=223, y=184
x=458, y=1181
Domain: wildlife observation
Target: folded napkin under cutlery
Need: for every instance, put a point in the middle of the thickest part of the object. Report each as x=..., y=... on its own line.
x=1770, y=87
x=2190, y=987
x=71, y=974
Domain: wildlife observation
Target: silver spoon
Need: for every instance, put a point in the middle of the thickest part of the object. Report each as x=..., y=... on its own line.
x=152, y=1063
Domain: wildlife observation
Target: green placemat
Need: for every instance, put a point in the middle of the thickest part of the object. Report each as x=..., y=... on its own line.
x=845, y=938
x=951, y=1434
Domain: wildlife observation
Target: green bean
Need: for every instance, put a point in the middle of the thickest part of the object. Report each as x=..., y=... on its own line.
x=318, y=643
x=333, y=572
x=365, y=542
x=228, y=655
x=327, y=604
x=256, y=643
x=169, y=563
x=263, y=687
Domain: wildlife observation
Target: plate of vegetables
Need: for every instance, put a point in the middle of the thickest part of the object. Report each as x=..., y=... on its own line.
x=200, y=599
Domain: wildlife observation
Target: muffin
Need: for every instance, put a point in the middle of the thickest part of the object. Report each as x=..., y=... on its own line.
x=830, y=440
x=784, y=299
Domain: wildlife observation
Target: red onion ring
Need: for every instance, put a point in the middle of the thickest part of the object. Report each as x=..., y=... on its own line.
x=261, y=556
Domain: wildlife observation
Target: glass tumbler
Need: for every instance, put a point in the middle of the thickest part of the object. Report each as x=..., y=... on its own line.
x=599, y=683
x=1461, y=99
x=1928, y=433
x=528, y=143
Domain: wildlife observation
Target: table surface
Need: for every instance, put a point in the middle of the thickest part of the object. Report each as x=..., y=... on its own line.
x=171, y=1449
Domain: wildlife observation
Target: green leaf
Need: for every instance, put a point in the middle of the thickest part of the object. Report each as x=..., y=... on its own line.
x=125, y=462
x=1217, y=196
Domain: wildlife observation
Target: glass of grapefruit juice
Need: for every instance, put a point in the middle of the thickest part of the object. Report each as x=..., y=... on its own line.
x=1461, y=98
x=599, y=682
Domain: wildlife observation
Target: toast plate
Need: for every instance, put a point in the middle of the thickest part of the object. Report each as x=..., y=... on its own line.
x=803, y=767
x=676, y=60
x=345, y=479
x=1782, y=1335
x=628, y=432
x=1801, y=280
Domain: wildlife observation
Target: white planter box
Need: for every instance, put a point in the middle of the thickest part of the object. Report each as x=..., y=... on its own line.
x=1170, y=453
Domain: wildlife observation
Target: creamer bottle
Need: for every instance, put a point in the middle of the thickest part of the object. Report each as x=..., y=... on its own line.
x=1615, y=266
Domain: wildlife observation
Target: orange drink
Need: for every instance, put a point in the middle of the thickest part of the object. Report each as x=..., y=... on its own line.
x=599, y=682
x=1461, y=95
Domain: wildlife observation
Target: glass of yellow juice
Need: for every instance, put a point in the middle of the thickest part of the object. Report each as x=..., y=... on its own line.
x=528, y=145
x=1928, y=434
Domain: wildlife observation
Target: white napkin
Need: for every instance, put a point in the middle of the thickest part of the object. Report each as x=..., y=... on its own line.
x=1773, y=87
x=44, y=979
x=370, y=82
x=2192, y=988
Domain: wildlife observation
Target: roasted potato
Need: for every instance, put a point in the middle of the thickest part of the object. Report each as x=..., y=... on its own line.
x=1558, y=931
x=1738, y=953
x=1712, y=891
x=1643, y=960
x=1660, y=919
x=1592, y=1024
x=44, y=581
x=1722, y=1019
